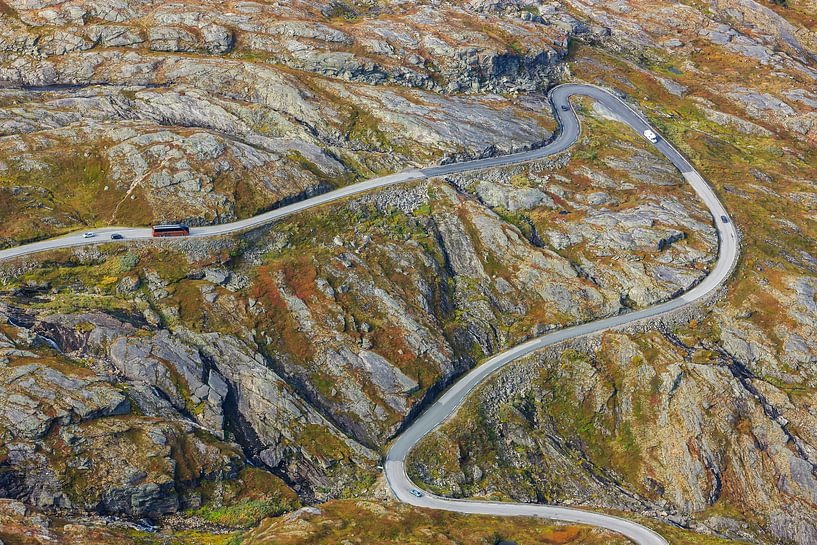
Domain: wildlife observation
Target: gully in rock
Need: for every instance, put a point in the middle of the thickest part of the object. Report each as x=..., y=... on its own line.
x=447, y=404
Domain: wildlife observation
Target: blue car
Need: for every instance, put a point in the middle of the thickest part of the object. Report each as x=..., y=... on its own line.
x=415, y=492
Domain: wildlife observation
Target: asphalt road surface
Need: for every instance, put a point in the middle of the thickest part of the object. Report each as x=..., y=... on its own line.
x=448, y=403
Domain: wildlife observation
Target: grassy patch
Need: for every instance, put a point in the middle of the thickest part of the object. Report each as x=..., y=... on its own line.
x=243, y=502
x=243, y=514
x=346, y=521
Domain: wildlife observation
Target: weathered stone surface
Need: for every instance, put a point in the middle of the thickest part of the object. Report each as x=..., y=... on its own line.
x=72, y=442
x=310, y=343
x=184, y=114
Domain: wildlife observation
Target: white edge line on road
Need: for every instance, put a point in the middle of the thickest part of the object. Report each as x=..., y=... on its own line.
x=394, y=468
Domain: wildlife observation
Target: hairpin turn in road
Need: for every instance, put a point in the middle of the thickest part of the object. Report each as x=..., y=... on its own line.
x=438, y=412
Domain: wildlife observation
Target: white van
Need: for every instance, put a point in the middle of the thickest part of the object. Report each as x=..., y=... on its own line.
x=651, y=136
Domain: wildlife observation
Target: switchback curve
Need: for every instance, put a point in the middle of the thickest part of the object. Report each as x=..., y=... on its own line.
x=446, y=406
x=448, y=403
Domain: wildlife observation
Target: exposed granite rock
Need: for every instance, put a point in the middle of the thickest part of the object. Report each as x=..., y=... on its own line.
x=313, y=411
x=141, y=112
x=177, y=113
x=512, y=199
x=72, y=442
x=675, y=458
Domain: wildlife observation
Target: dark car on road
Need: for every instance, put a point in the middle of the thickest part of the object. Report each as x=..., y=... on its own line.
x=565, y=108
x=724, y=219
x=116, y=236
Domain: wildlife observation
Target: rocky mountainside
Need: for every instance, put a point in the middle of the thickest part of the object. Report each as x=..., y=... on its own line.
x=310, y=342
x=145, y=112
x=207, y=384
x=706, y=421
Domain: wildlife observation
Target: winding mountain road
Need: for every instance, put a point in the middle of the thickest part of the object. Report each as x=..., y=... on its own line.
x=446, y=406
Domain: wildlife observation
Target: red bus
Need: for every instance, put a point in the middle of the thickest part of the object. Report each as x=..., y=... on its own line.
x=172, y=230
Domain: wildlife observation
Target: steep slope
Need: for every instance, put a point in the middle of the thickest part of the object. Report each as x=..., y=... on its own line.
x=145, y=112
x=260, y=372
x=310, y=342
x=705, y=422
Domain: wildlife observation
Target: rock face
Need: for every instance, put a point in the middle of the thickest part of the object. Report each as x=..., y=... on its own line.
x=304, y=363
x=749, y=35
x=436, y=47
x=214, y=383
x=592, y=214
x=73, y=441
x=661, y=427
x=705, y=421
x=143, y=380
x=149, y=113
